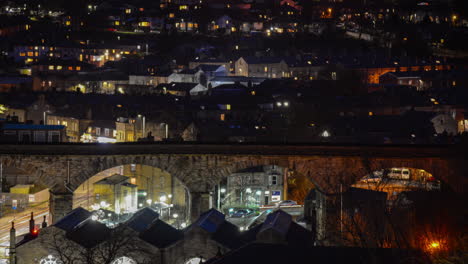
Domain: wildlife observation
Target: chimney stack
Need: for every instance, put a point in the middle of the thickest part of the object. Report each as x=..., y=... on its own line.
x=44, y=223
x=31, y=224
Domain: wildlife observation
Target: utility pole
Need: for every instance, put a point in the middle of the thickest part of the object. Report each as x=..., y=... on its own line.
x=1, y=176
x=285, y=184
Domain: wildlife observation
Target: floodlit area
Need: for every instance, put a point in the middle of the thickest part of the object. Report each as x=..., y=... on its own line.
x=393, y=181
x=115, y=194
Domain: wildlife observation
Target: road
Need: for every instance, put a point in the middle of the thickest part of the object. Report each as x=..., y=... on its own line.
x=21, y=224
x=244, y=222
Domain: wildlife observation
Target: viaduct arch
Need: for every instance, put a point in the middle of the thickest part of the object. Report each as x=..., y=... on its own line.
x=200, y=167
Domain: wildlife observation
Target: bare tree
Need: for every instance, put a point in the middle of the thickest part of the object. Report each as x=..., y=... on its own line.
x=120, y=241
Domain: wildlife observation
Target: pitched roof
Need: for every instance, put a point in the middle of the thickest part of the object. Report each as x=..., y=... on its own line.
x=161, y=235
x=112, y=180
x=210, y=220
x=262, y=60
x=73, y=218
x=89, y=233
x=278, y=221
x=228, y=235
x=142, y=219
x=208, y=67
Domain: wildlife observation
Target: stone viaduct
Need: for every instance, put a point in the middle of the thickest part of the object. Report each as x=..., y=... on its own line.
x=63, y=167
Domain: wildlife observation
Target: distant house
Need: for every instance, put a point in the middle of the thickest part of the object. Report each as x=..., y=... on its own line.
x=210, y=61
x=76, y=121
x=267, y=67
x=427, y=79
x=187, y=76
x=102, y=131
x=212, y=71
x=246, y=81
x=404, y=78
x=28, y=133
x=150, y=80
x=182, y=89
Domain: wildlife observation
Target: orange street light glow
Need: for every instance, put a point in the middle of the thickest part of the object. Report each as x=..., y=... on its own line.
x=435, y=245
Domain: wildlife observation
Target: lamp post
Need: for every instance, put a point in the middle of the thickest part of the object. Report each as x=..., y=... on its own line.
x=44, y=118
x=143, y=125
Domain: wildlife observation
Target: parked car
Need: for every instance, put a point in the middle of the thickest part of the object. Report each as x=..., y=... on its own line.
x=242, y=213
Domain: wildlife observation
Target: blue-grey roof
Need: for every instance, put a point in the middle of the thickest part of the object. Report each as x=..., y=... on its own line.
x=210, y=220
x=161, y=235
x=278, y=221
x=33, y=127
x=228, y=235
x=73, y=218
x=142, y=219
x=89, y=233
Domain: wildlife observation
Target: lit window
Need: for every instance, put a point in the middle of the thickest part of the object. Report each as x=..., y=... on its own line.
x=183, y=7
x=22, y=54
x=265, y=69
x=171, y=15
x=30, y=54
x=59, y=67
x=228, y=107
x=133, y=167
x=67, y=23
x=128, y=11
x=78, y=68
x=70, y=68
x=117, y=23
x=222, y=117
x=51, y=67
x=98, y=131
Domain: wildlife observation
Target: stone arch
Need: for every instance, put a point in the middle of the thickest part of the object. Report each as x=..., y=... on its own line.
x=40, y=169
x=148, y=176
x=84, y=168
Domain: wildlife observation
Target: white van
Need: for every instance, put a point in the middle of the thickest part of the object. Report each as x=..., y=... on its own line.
x=399, y=173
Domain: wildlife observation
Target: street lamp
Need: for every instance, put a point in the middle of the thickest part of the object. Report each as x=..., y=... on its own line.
x=143, y=125
x=149, y=201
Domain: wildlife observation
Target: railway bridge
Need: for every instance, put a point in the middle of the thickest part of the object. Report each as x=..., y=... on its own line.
x=63, y=167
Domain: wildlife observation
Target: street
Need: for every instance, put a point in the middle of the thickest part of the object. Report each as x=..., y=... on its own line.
x=21, y=224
